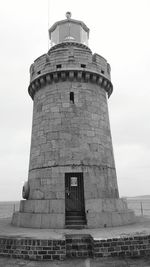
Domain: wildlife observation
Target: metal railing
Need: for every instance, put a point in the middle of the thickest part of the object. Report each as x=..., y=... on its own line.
x=140, y=207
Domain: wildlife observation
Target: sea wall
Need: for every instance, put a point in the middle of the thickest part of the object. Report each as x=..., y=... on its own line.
x=73, y=246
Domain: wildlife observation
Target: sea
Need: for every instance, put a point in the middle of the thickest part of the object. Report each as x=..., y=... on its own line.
x=7, y=208
x=141, y=206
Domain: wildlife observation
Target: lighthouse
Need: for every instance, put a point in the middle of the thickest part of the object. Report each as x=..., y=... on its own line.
x=72, y=179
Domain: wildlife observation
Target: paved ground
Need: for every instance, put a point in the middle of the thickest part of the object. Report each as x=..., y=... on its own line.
x=111, y=262
x=142, y=226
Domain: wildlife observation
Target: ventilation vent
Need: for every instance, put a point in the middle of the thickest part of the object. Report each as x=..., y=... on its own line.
x=83, y=66
x=58, y=66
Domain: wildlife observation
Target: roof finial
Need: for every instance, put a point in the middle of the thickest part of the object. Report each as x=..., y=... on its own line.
x=68, y=15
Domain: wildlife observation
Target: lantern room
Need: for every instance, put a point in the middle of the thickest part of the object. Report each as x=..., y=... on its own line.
x=69, y=30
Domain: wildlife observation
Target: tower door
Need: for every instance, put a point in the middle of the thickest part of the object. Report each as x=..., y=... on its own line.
x=74, y=192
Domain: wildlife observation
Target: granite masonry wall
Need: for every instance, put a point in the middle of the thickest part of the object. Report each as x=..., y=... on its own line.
x=66, y=134
x=71, y=134
x=73, y=246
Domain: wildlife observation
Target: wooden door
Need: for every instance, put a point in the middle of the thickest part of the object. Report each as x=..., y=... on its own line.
x=74, y=192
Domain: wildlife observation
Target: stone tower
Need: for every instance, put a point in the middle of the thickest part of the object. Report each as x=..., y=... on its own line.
x=72, y=177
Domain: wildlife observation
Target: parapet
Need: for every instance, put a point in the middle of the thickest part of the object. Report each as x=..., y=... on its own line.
x=69, y=61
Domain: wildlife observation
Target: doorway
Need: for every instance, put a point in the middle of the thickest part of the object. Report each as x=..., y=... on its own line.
x=74, y=193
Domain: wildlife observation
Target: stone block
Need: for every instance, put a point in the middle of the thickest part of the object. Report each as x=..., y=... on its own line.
x=30, y=220
x=50, y=195
x=37, y=220
x=53, y=221
x=42, y=206
x=93, y=205
x=98, y=219
x=65, y=105
x=109, y=205
x=105, y=204
x=60, y=195
x=91, y=192
x=35, y=183
x=37, y=194
x=109, y=219
x=26, y=220
x=57, y=206
x=123, y=218
x=27, y=206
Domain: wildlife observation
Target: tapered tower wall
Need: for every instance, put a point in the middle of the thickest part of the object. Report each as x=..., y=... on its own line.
x=71, y=134
x=66, y=133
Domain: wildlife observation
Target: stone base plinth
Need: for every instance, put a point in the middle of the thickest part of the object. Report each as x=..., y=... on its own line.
x=40, y=214
x=50, y=214
x=108, y=212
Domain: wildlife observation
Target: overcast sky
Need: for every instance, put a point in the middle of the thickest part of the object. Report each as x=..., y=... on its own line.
x=120, y=32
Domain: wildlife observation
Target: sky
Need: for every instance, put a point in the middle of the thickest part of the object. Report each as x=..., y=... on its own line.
x=120, y=32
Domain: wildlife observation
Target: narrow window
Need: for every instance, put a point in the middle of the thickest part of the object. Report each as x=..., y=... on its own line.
x=72, y=97
x=83, y=66
x=58, y=66
x=102, y=71
x=39, y=72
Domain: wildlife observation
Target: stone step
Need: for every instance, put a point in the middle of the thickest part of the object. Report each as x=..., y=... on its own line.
x=73, y=213
x=76, y=217
x=75, y=222
x=76, y=226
